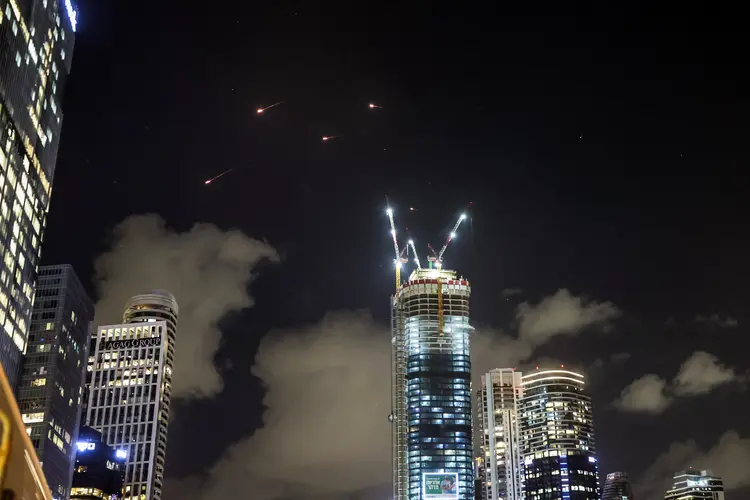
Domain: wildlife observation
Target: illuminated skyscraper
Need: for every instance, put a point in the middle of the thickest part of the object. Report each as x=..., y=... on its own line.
x=617, y=487
x=36, y=48
x=499, y=433
x=51, y=388
x=557, y=437
x=694, y=485
x=131, y=386
x=431, y=375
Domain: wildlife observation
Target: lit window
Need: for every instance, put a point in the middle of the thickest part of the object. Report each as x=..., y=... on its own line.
x=32, y=418
x=39, y=382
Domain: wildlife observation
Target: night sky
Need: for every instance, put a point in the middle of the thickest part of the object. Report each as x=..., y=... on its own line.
x=604, y=150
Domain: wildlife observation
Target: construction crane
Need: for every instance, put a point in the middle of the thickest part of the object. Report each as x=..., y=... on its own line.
x=400, y=259
x=451, y=235
x=437, y=259
x=416, y=255
x=401, y=255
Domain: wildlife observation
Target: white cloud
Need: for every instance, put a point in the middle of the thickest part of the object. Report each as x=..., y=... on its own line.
x=325, y=430
x=647, y=394
x=719, y=321
x=728, y=458
x=701, y=373
x=207, y=270
x=561, y=313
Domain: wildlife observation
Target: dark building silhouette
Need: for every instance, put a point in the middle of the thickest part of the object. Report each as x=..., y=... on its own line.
x=99, y=468
x=617, y=487
x=50, y=393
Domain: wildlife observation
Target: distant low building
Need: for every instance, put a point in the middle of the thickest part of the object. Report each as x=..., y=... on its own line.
x=694, y=485
x=617, y=487
x=99, y=468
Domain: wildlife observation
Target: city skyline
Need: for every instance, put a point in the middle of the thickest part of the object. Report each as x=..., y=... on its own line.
x=599, y=148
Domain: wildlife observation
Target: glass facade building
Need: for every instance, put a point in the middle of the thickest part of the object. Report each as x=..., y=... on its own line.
x=51, y=387
x=499, y=432
x=98, y=469
x=696, y=485
x=36, y=48
x=431, y=380
x=617, y=487
x=130, y=389
x=557, y=437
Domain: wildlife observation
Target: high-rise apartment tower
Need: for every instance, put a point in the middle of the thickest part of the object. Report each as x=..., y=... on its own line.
x=557, y=437
x=130, y=389
x=499, y=433
x=36, y=48
x=431, y=377
x=696, y=485
x=617, y=487
x=51, y=388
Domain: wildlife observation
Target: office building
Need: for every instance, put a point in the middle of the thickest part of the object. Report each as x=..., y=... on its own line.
x=98, y=468
x=36, y=48
x=50, y=392
x=130, y=389
x=498, y=399
x=557, y=437
x=431, y=376
x=696, y=485
x=617, y=487
x=479, y=478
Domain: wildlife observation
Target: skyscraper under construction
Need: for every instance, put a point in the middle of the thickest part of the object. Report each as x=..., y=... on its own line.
x=431, y=393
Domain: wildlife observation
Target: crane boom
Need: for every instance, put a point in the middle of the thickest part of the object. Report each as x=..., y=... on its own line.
x=416, y=256
x=452, y=235
x=397, y=261
x=393, y=233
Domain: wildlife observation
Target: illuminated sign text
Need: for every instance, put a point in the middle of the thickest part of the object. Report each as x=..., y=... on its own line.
x=129, y=344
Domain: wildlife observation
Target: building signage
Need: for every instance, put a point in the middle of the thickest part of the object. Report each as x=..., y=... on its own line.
x=130, y=344
x=111, y=465
x=440, y=485
x=72, y=14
